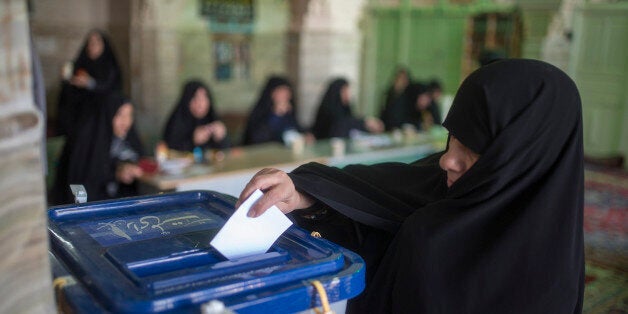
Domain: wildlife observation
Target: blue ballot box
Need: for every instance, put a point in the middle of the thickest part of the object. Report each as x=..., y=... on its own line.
x=152, y=254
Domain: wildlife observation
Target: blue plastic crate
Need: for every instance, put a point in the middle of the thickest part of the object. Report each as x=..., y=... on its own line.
x=152, y=254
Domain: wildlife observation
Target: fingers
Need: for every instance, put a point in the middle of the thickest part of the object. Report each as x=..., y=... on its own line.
x=261, y=180
x=278, y=190
x=217, y=130
x=275, y=196
x=137, y=171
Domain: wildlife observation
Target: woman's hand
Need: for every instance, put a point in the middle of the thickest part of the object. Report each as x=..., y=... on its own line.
x=374, y=125
x=309, y=138
x=278, y=190
x=218, y=130
x=127, y=173
x=82, y=80
x=202, y=134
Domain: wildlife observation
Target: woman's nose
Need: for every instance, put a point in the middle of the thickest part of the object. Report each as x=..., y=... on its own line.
x=449, y=162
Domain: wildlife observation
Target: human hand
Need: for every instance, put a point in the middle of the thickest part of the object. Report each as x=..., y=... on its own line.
x=374, y=125
x=218, y=130
x=81, y=80
x=278, y=190
x=309, y=138
x=127, y=173
x=202, y=134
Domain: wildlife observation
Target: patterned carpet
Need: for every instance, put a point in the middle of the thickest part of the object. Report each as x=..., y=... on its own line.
x=606, y=240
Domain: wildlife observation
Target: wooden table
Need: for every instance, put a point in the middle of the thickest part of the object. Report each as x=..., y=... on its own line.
x=230, y=175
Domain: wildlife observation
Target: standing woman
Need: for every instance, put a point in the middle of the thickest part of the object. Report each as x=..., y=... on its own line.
x=334, y=117
x=104, y=160
x=273, y=119
x=491, y=225
x=95, y=74
x=194, y=121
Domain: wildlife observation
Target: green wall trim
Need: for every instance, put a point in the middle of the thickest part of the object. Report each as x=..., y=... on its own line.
x=442, y=9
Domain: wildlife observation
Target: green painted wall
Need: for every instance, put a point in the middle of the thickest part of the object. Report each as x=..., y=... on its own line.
x=429, y=40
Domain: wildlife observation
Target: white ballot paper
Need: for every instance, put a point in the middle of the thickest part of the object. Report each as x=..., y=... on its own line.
x=244, y=236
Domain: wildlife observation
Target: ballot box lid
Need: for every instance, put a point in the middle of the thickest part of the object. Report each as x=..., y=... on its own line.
x=152, y=254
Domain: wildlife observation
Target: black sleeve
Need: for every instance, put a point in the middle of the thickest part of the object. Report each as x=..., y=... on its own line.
x=178, y=137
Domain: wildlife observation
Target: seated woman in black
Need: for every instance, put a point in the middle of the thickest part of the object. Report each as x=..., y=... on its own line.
x=95, y=74
x=491, y=225
x=422, y=112
x=393, y=110
x=273, y=119
x=334, y=117
x=194, y=122
x=103, y=159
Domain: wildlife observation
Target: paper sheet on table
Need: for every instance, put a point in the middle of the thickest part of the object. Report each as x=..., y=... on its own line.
x=243, y=236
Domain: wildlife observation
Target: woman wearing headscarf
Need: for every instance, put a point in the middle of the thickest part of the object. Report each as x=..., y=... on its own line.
x=421, y=111
x=273, y=119
x=194, y=121
x=393, y=110
x=491, y=225
x=104, y=159
x=334, y=117
x=96, y=73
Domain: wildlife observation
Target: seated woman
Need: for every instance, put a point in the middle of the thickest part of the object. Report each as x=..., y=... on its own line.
x=393, y=110
x=104, y=160
x=273, y=119
x=334, y=117
x=95, y=74
x=194, y=121
x=491, y=225
x=422, y=112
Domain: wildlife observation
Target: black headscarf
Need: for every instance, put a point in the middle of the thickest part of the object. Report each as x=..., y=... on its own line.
x=334, y=117
x=179, y=132
x=507, y=236
x=88, y=159
x=78, y=104
x=258, y=127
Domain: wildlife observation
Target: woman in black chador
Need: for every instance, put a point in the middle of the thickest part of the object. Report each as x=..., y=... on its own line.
x=421, y=111
x=491, y=225
x=393, y=110
x=194, y=121
x=334, y=117
x=273, y=119
x=103, y=159
x=95, y=74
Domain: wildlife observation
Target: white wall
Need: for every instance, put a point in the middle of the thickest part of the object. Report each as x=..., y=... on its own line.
x=330, y=47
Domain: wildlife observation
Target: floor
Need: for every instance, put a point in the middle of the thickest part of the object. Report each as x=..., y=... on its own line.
x=606, y=240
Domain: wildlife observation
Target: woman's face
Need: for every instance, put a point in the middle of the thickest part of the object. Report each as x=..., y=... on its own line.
x=423, y=101
x=123, y=120
x=95, y=46
x=199, y=105
x=437, y=93
x=457, y=160
x=345, y=95
x=281, y=100
x=401, y=80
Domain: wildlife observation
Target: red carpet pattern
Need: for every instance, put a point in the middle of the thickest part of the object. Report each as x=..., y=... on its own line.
x=606, y=240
